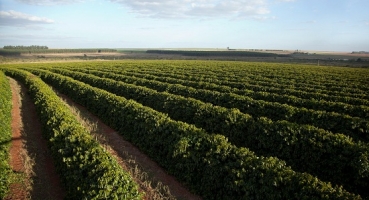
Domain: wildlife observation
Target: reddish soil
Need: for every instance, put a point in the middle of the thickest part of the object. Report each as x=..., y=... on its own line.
x=18, y=190
x=30, y=156
x=123, y=150
x=29, y=153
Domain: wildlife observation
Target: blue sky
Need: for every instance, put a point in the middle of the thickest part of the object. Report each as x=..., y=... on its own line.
x=324, y=25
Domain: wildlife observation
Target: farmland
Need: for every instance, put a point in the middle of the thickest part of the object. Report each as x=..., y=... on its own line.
x=224, y=129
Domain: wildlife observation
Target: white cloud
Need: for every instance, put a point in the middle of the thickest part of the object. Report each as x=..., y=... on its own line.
x=14, y=18
x=48, y=2
x=196, y=8
x=36, y=37
x=310, y=22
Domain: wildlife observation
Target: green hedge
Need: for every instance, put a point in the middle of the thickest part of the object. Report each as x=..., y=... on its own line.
x=164, y=83
x=246, y=87
x=357, y=128
x=87, y=170
x=207, y=164
x=267, y=77
x=305, y=148
x=5, y=133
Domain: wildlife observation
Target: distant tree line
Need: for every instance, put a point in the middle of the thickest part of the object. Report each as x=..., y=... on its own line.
x=360, y=52
x=32, y=47
x=217, y=53
x=18, y=50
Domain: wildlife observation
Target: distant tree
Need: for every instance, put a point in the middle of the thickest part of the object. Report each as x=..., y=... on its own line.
x=32, y=47
x=358, y=60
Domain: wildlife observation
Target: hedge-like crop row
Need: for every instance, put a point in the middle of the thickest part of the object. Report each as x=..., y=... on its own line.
x=249, y=83
x=245, y=88
x=5, y=133
x=297, y=76
x=306, y=148
x=298, y=81
x=207, y=162
x=86, y=169
x=361, y=111
x=355, y=127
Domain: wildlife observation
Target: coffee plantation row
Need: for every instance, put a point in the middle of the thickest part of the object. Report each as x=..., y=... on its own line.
x=292, y=144
x=5, y=133
x=212, y=126
x=161, y=83
x=87, y=170
x=274, y=110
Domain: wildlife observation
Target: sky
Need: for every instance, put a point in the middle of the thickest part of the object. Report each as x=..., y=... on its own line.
x=322, y=25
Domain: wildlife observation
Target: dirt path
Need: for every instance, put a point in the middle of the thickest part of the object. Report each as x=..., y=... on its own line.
x=19, y=187
x=144, y=170
x=30, y=159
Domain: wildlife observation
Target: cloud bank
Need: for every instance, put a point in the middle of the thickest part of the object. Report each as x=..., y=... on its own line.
x=14, y=18
x=286, y=0
x=196, y=8
x=48, y=2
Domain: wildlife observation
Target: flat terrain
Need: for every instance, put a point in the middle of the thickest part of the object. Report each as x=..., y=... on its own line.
x=214, y=124
x=323, y=58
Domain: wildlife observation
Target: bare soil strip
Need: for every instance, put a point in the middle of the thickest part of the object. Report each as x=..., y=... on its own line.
x=142, y=168
x=29, y=153
x=19, y=186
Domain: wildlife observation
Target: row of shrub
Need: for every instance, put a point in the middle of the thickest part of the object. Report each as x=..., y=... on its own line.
x=87, y=170
x=245, y=87
x=329, y=106
x=305, y=148
x=268, y=78
x=207, y=163
x=356, y=127
x=5, y=133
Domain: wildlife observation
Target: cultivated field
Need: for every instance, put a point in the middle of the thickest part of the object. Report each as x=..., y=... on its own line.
x=223, y=129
